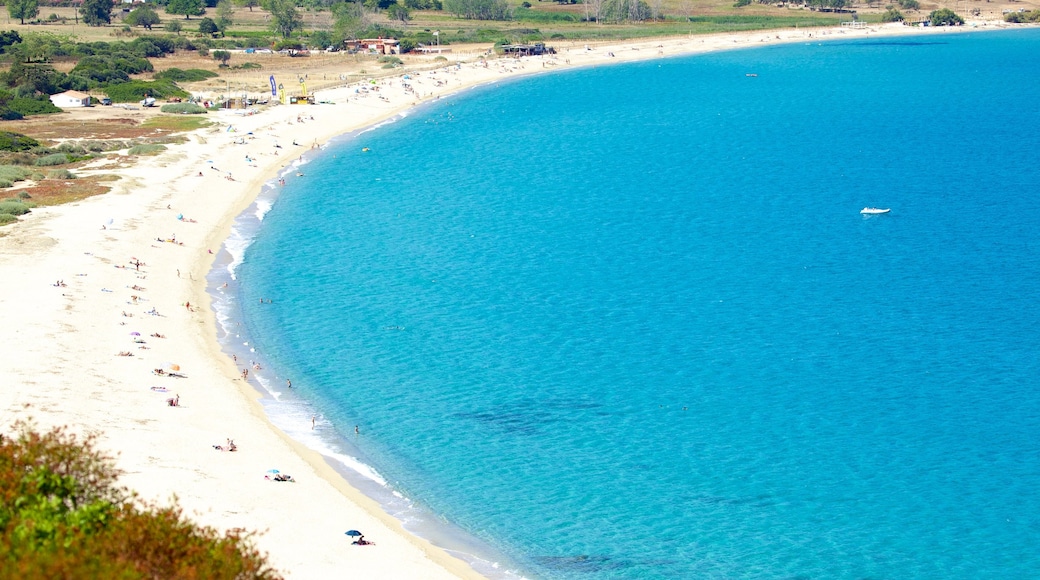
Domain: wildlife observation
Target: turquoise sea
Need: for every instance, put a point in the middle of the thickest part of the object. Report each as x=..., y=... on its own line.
x=628, y=322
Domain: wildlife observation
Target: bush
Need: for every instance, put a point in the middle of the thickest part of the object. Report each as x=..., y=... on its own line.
x=6, y=218
x=389, y=60
x=133, y=91
x=184, y=109
x=945, y=17
x=14, y=207
x=16, y=142
x=23, y=195
x=72, y=148
x=147, y=149
x=32, y=106
x=63, y=492
x=1022, y=17
x=53, y=159
x=892, y=15
x=191, y=75
x=13, y=173
x=4, y=183
x=60, y=174
x=909, y=4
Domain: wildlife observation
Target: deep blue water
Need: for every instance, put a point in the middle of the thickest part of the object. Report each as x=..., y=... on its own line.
x=627, y=322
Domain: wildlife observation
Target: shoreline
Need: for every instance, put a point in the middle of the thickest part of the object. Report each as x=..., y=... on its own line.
x=66, y=366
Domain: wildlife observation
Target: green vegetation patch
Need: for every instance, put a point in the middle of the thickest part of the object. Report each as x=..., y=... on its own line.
x=16, y=142
x=147, y=149
x=184, y=109
x=53, y=159
x=60, y=174
x=32, y=106
x=12, y=207
x=63, y=510
x=191, y=75
x=176, y=124
x=133, y=91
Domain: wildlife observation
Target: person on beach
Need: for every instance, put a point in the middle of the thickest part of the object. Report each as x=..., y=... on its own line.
x=288, y=383
x=314, y=418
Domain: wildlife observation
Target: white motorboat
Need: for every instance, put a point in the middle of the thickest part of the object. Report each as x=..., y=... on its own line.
x=874, y=210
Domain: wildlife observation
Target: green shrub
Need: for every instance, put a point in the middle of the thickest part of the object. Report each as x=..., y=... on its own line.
x=147, y=149
x=184, y=109
x=4, y=183
x=248, y=65
x=71, y=148
x=133, y=91
x=32, y=106
x=191, y=75
x=64, y=511
x=60, y=174
x=1022, y=17
x=13, y=173
x=14, y=207
x=6, y=218
x=892, y=15
x=53, y=159
x=945, y=17
x=37, y=176
x=23, y=195
x=389, y=60
x=16, y=142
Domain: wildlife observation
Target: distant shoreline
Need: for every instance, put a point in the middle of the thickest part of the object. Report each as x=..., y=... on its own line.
x=65, y=340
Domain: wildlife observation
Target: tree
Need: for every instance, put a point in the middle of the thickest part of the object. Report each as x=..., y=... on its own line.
x=96, y=12
x=144, y=16
x=36, y=47
x=62, y=515
x=399, y=12
x=173, y=26
x=207, y=26
x=289, y=45
x=225, y=15
x=222, y=55
x=351, y=19
x=479, y=9
x=284, y=17
x=892, y=15
x=188, y=8
x=945, y=17
x=248, y=3
x=22, y=9
x=321, y=39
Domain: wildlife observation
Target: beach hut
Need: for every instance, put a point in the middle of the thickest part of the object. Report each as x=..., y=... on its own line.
x=70, y=99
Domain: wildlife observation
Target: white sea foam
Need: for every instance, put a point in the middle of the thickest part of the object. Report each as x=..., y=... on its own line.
x=262, y=207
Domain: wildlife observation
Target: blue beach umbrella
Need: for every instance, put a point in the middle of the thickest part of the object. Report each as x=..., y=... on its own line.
x=353, y=533
x=272, y=471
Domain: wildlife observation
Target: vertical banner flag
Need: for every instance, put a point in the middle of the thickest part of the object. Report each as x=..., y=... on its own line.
x=274, y=90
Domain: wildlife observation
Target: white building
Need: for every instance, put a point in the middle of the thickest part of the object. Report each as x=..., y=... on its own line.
x=70, y=99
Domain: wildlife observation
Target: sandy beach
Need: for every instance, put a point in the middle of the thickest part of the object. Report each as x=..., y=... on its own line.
x=101, y=294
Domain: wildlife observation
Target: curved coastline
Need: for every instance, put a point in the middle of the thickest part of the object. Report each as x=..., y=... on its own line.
x=66, y=342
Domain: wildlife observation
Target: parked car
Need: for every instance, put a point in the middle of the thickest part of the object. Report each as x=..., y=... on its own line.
x=106, y=101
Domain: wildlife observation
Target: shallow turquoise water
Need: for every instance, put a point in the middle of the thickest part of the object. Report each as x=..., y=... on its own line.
x=627, y=322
